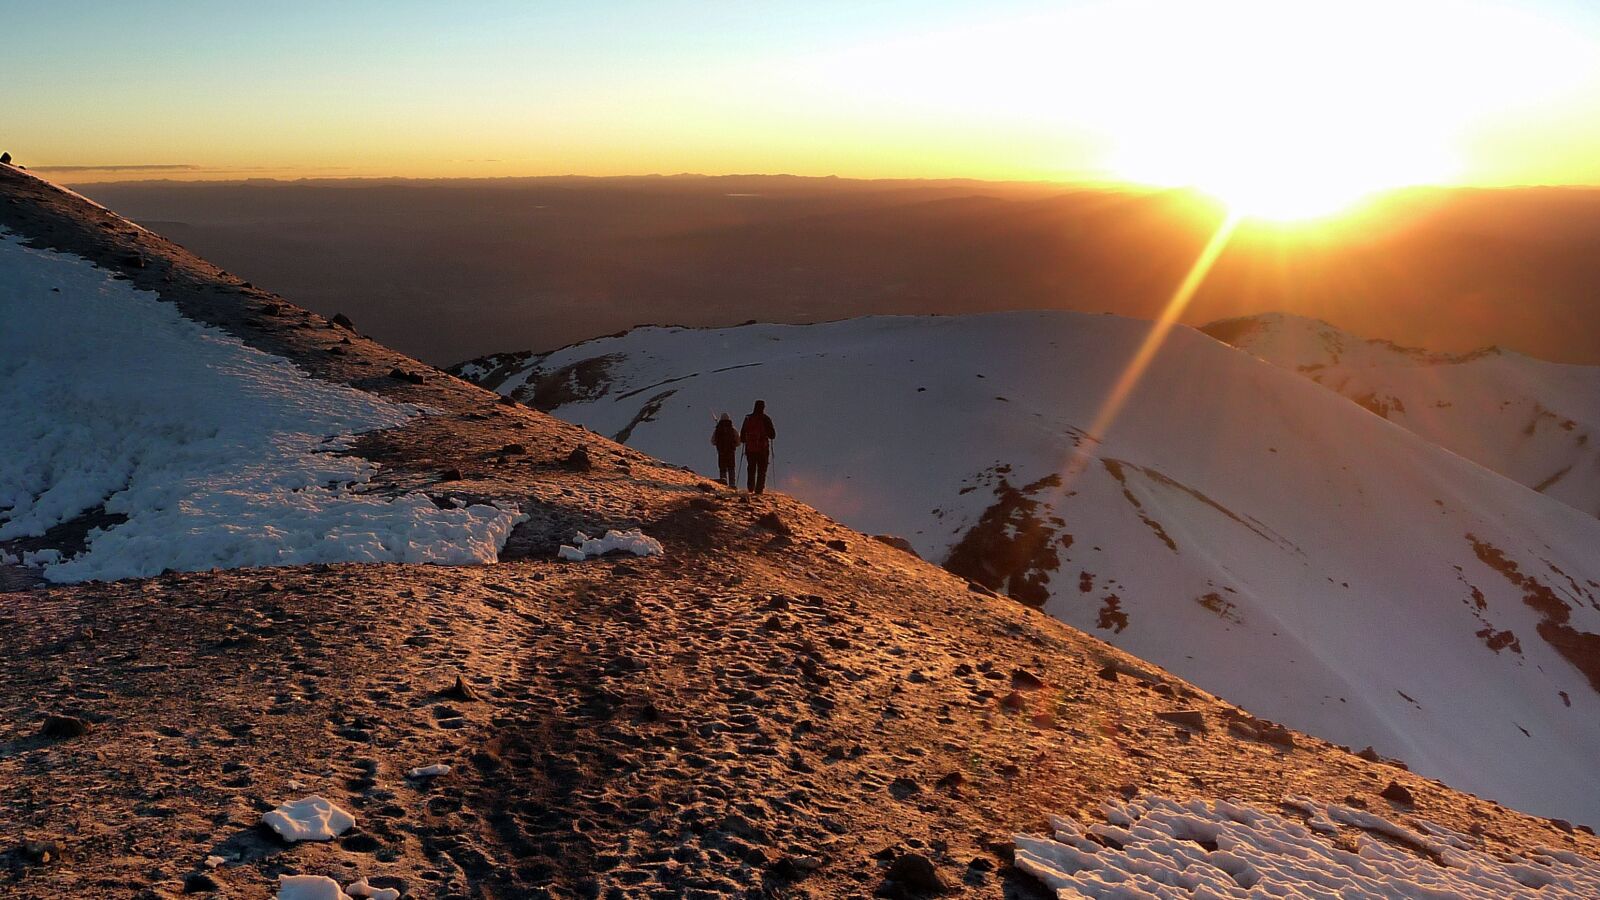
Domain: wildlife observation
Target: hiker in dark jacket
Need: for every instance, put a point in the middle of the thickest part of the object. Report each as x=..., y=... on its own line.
x=757, y=434
x=726, y=439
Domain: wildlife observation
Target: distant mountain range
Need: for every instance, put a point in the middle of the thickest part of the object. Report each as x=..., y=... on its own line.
x=1239, y=524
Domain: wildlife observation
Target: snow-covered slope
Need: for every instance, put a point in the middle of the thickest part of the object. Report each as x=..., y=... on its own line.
x=1240, y=525
x=1533, y=421
x=147, y=441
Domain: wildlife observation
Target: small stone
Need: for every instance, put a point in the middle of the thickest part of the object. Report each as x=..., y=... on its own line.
x=897, y=542
x=837, y=544
x=409, y=377
x=1192, y=719
x=450, y=475
x=1023, y=680
x=1397, y=793
x=1369, y=754
x=1109, y=673
x=40, y=852
x=578, y=460
x=1014, y=702
x=342, y=321
x=199, y=883
x=771, y=522
x=514, y=449
x=460, y=690
x=917, y=873
x=63, y=727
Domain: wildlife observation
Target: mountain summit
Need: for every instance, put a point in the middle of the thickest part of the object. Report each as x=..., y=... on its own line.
x=763, y=703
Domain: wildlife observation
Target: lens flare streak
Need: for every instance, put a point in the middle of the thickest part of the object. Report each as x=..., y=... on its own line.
x=1149, y=347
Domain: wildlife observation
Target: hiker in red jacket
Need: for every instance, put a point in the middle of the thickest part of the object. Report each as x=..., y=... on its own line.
x=757, y=434
x=726, y=439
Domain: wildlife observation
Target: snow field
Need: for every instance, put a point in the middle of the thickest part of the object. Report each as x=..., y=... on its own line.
x=219, y=455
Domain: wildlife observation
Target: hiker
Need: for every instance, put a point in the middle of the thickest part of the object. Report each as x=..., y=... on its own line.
x=726, y=439
x=757, y=435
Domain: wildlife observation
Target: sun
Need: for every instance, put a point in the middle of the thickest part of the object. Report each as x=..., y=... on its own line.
x=1296, y=110
x=1285, y=176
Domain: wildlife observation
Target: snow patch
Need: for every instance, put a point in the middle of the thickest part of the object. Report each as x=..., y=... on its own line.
x=636, y=542
x=311, y=819
x=361, y=889
x=309, y=887
x=217, y=454
x=1160, y=848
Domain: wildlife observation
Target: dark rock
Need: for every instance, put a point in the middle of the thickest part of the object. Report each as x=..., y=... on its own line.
x=1109, y=673
x=450, y=475
x=1023, y=680
x=1562, y=824
x=460, y=691
x=408, y=377
x=342, y=321
x=62, y=727
x=771, y=522
x=897, y=542
x=837, y=544
x=917, y=873
x=1014, y=701
x=1275, y=734
x=514, y=449
x=1191, y=719
x=1397, y=793
x=199, y=883
x=5, y=159
x=40, y=852
x=578, y=460
x=1369, y=754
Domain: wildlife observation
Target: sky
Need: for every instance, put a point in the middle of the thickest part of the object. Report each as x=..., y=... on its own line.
x=1238, y=96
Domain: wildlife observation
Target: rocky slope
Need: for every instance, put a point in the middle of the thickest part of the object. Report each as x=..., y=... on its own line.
x=1532, y=421
x=776, y=706
x=1385, y=592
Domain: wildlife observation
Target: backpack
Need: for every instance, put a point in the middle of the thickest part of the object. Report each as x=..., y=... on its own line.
x=754, y=433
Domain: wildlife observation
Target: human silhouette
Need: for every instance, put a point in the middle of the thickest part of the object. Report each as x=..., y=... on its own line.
x=726, y=439
x=757, y=434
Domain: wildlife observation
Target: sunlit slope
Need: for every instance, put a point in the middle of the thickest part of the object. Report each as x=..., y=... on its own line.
x=1241, y=525
x=1533, y=421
